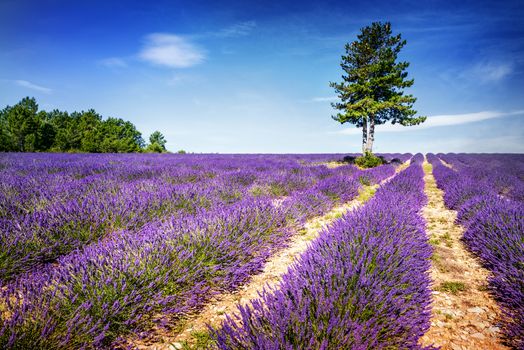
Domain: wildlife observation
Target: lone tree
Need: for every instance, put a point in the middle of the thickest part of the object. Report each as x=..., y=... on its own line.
x=371, y=91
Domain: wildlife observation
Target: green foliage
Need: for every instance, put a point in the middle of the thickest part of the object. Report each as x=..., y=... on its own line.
x=154, y=148
x=20, y=126
x=159, y=139
x=277, y=189
x=434, y=242
x=25, y=129
x=447, y=239
x=202, y=341
x=366, y=193
x=368, y=160
x=257, y=191
x=120, y=136
x=157, y=143
x=181, y=151
x=452, y=287
x=371, y=91
x=364, y=180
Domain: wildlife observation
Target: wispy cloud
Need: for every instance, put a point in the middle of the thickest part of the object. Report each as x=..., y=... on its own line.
x=482, y=72
x=491, y=71
x=239, y=29
x=175, y=80
x=171, y=50
x=29, y=85
x=113, y=62
x=440, y=120
x=324, y=99
x=178, y=79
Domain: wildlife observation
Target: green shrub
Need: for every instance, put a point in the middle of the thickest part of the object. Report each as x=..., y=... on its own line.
x=368, y=160
x=452, y=287
x=155, y=148
x=364, y=180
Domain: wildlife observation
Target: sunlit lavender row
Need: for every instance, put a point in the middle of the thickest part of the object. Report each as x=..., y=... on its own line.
x=53, y=204
x=487, y=192
x=363, y=284
x=95, y=247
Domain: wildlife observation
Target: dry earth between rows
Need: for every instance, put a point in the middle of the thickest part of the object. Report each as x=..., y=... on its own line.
x=464, y=315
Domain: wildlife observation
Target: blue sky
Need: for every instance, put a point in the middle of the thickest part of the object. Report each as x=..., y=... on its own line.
x=252, y=76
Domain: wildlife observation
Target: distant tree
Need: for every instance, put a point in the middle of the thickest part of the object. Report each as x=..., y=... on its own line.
x=120, y=136
x=43, y=133
x=46, y=135
x=25, y=129
x=67, y=136
x=5, y=139
x=157, y=142
x=20, y=126
x=155, y=148
x=371, y=91
x=88, y=125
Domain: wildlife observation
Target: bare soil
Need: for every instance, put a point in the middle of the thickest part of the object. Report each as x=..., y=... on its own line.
x=464, y=315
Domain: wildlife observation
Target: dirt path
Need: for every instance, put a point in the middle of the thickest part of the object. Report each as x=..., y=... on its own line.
x=464, y=315
x=446, y=164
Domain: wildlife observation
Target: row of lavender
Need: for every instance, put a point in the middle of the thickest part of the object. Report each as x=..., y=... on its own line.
x=363, y=284
x=131, y=278
x=53, y=204
x=493, y=218
x=504, y=172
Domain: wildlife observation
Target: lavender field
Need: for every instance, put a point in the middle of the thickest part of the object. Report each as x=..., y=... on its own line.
x=224, y=175
x=103, y=251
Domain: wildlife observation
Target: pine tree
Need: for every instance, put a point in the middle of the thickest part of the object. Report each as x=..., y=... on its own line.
x=371, y=91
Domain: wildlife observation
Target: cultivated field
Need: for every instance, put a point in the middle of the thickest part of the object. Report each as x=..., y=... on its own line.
x=261, y=252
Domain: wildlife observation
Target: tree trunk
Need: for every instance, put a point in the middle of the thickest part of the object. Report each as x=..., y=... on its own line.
x=364, y=135
x=371, y=133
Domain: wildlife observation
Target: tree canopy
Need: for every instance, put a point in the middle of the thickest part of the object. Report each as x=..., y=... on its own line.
x=23, y=128
x=157, y=142
x=371, y=91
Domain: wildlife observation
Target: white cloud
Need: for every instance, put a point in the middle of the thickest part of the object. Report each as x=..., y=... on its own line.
x=490, y=71
x=324, y=99
x=239, y=29
x=29, y=85
x=113, y=62
x=439, y=120
x=171, y=50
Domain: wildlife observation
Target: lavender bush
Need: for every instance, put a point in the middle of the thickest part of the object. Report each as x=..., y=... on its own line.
x=153, y=237
x=52, y=205
x=363, y=284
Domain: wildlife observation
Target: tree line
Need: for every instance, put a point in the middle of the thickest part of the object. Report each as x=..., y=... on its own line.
x=23, y=128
